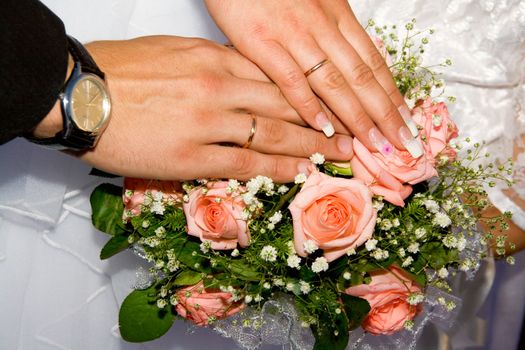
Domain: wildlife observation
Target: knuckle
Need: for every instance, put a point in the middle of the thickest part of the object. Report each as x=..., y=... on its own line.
x=309, y=145
x=362, y=76
x=334, y=80
x=242, y=163
x=209, y=83
x=376, y=61
x=273, y=168
x=360, y=118
x=390, y=116
x=272, y=131
x=292, y=79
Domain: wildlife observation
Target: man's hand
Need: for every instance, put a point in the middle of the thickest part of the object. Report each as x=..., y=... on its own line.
x=178, y=106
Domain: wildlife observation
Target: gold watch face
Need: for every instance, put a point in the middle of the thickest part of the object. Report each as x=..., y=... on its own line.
x=90, y=103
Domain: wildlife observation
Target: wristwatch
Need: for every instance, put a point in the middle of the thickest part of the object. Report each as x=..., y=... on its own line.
x=85, y=104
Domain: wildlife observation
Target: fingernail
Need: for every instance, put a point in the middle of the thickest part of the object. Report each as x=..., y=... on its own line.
x=412, y=144
x=324, y=124
x=380, y=142
x=303, y=168
x=407, y=117
x=344, y=143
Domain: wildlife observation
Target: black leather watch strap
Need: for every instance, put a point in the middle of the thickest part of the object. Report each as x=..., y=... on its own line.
x=80, y=54
x=76, y=141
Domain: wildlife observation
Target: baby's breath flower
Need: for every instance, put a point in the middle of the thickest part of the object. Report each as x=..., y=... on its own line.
x=233, y=185
x=145, y=223
x=294, y=261
x=380, y=254
x=276, y=218
x=173, y=265
x=257, y=298
x=510, y=260
x=443, y=272
x=248, y=299
x=282, y=189
x=371, y=244
x=378, y=204
x=451, y=305
x=205, y=246
x=300, y=178
x=420, y=232
x=450, y=241
x=290, y=286
x=131, y=239
x=291, y=247
x=347, y=275
x=163, y=291
x=160, y=232
x=173, y=300
x=462, y=243
x=413, y=248
x=157, y=208
x=185, y=198
x=161, y=303
x=320, y=264
x=407, y=262
x=401, y=252
x=267, y=285
x=408, y=325
x=317, y=158
x=304, y=287
x=235, y=253
x=415, y=298
x=442, y=220
x=431, y=205
x=386, y=225
x=395, y=222
x=351, y=252
x=310, y=246
x=268, y=253
x=278, y=282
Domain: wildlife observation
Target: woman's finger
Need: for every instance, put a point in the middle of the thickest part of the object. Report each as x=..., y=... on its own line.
x=373, y=99
x=289, y=77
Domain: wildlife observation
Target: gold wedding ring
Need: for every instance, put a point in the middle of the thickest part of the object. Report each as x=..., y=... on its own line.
x=253, y=129
x=316, y=67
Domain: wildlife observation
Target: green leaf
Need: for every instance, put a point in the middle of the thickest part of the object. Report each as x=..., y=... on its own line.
x=140, y=319
x=356, y=310
x=107, y=208
x=115, y=245
x=243, y=271
x=325, y=339
x=187, y=278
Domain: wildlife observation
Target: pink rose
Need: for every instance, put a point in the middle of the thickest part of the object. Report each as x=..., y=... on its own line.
x=217, y=216
x=135, y=191
x=387, y=295
x=387, y=175
x=438, y=127
x=335, y=213
x=197, y=304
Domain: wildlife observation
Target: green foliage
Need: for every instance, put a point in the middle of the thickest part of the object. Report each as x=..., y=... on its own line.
x=187, y=278
x=107, y=209
x=140, y=319
x=115, y=245
x=356, y=310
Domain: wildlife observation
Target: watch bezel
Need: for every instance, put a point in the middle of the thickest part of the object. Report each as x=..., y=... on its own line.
x=78, y=77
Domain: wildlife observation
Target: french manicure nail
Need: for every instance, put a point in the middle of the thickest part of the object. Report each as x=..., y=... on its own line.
x=407, y=117
x=344, y=143
x=412, y=144
x=380, y=142
x=324, y=124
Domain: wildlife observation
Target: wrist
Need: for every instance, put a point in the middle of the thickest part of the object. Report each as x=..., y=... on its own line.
x=52, y=122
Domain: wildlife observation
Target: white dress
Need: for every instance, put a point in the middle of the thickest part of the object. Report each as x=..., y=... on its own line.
x=55, y=293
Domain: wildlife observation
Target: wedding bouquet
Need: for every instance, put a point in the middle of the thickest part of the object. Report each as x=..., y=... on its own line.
x=349, y=245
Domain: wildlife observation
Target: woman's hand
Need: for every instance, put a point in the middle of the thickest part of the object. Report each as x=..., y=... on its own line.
x=287, y=38
x=178, y=106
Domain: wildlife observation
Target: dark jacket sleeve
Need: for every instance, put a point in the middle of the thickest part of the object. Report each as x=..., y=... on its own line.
x=33, y=65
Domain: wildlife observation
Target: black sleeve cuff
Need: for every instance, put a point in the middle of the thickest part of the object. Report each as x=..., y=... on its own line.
x=33, y=65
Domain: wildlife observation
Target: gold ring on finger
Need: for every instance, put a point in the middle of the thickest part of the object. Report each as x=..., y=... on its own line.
x=316, y=67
